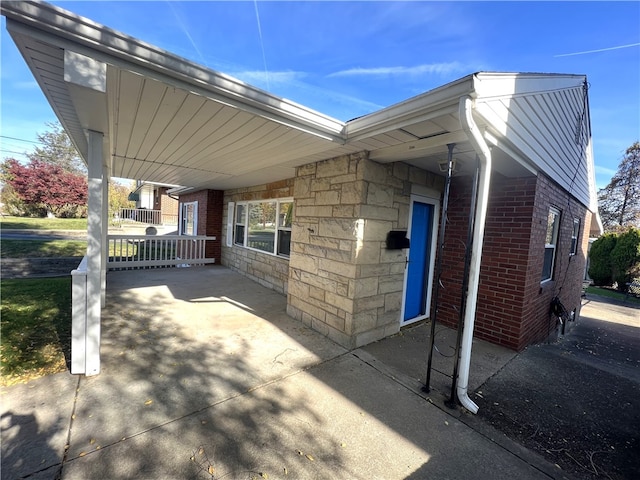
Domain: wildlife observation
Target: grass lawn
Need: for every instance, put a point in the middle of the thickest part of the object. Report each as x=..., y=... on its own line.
x=42, y=248
x=36, y=328
x=26, y=223
x=611, y=293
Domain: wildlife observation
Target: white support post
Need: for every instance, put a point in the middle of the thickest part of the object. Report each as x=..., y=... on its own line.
x=94, y=253
x=105, y=232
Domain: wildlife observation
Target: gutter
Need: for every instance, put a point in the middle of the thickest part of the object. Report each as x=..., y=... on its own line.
x=484, y=156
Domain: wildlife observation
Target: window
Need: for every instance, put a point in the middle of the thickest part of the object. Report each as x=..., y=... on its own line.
x=264, y=226
x=551, y=242
x=189, y=219
x=241, y=220
x=574, y=236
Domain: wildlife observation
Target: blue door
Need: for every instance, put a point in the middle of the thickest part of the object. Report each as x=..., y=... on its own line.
x=415, y=302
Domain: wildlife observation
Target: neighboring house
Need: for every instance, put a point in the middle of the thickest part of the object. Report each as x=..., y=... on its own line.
x=154, y=197
x=318, y=209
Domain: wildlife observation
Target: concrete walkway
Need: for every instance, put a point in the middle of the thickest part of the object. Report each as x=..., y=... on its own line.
x=205, y=376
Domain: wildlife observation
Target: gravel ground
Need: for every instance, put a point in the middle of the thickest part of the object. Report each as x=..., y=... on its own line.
x=576, y=402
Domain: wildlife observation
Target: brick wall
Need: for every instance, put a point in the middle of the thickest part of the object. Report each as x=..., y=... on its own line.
x=270, y=271
x=209, y=221
x=513, y=306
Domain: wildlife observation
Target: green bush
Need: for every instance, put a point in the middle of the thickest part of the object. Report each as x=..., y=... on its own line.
x=600, y=268
x=625, y=257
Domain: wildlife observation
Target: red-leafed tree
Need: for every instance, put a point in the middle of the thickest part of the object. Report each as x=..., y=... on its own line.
x=47, y=185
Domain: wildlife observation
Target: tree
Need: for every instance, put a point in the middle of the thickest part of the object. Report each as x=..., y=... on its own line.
x=625, y=257
x=618, y=202
x=600, y=268
x=58, y=149
x=47, y=186
x=119, y=197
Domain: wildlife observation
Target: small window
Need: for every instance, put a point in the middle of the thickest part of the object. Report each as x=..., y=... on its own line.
x=551, y=242
x=241, y=220
x=574, y=236
x=285, y=215
x=189, y=220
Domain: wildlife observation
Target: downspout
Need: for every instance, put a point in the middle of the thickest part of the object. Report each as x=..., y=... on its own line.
x=484, y=155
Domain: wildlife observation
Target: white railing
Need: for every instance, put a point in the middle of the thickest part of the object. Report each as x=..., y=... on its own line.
x=145, y=251
x=146, y=216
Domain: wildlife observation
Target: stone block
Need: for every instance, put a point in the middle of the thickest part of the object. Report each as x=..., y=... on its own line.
x=393, y=301
x=303, y=262
x=308, y=169
x=320, y=184
x=342, y=269
x=342, y=211
x=377, y=230
x=343, y=303
x=314, y=211
x=335, y=321
x=401, y=170
x=337, y=228
x=390, y=284
x=367, y=303
x=375, y=212
x=363, y=287
x=353, y=193
x=333, y=167
x=329, y=197
x=369, y=253
x=373, y=270
x=364, y=321
x=379, y=195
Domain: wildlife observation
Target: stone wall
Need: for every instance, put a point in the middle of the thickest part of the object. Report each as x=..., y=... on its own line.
x=343, y=281
x=270, y=271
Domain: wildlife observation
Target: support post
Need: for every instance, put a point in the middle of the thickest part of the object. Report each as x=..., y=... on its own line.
x=94, y=253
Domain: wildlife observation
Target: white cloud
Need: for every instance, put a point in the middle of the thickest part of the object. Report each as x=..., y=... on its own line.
x=425, y=69
x=254, y=77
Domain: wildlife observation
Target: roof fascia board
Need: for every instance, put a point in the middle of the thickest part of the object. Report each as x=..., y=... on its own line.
x=429, y=105
x=63, y=28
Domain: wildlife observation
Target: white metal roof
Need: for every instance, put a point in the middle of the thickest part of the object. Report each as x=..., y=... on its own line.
x=172, y=121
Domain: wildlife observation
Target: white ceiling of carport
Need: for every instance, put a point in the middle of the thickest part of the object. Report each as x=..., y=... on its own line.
x=175, y=122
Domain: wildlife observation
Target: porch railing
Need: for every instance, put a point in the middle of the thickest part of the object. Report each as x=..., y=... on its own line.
x=146, y=216
x=150, y=251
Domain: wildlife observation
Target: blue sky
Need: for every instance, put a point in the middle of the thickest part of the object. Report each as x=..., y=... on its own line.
x=346, y=59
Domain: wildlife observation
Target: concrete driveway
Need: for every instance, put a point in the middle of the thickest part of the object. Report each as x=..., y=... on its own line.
x=205, y=376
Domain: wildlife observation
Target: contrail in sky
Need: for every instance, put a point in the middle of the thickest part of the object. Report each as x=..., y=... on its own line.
x=264, y=57
x=186, y=32
x=599, y=50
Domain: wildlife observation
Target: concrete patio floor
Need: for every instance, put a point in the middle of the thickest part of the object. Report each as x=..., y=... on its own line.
x=205, y=376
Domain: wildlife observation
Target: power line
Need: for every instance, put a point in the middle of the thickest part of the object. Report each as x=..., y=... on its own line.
x=21, y=139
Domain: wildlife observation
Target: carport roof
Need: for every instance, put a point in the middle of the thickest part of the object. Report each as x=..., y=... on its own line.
x=166, y=119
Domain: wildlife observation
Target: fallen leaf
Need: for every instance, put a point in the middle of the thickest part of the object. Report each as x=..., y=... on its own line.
x=446, y=423
x=210, y=470
x=92, y=441
x=82, y=454
x=264, y=475
x=299, y=452
x=286, y=472
x=343, y=444
x=148, y=402
x=310, y=457
x=200, y=451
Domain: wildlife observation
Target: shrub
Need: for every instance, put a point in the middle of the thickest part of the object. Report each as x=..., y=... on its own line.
x=625, y=257
x=600, y=268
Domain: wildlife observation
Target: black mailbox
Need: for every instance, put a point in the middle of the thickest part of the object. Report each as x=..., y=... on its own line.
x=397, y=240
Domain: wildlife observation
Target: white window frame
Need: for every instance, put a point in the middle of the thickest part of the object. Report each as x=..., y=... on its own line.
x=553, y=244
x=244, y=223
x=575, y=235
x=183, y=219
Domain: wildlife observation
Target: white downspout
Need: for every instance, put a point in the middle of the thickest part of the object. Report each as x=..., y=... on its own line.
x=479, y=145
